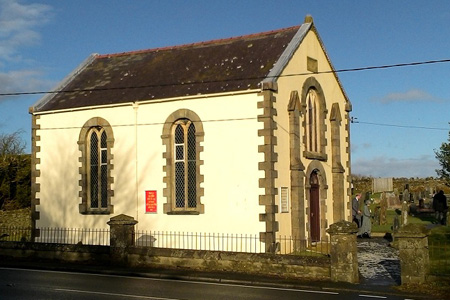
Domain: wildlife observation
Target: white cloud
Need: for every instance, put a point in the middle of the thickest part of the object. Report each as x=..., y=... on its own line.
x=423, y=166
x=22, y=81
x=18, y=29
x=18, y=23
x=413, y=95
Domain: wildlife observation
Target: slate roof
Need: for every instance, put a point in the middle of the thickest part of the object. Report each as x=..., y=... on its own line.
x=225, y=65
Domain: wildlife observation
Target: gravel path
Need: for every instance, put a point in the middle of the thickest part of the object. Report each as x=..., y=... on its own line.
x=378, y=262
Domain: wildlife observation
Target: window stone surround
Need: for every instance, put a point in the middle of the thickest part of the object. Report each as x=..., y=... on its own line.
x=312, y=83
x=168, y=179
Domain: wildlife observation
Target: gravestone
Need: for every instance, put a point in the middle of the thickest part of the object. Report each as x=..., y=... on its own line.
x=376, y=216
x=405, y=209
x=405, y=195
x=396, y=225
x=393, y=200
x=383, y=209
x=421, y=203
x=416, y=197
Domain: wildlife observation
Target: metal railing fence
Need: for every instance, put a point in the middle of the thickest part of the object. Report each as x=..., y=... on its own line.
x=246, y=243
x=85, y=236
x=15, y=234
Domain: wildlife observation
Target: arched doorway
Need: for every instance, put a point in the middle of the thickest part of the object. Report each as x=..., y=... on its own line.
x=314, y=207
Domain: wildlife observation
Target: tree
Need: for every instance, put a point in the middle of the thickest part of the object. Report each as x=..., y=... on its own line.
x=11, y=144
x=13, y=162
x=443, y=157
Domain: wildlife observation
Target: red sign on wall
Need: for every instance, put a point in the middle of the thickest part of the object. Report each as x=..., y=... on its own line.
x=151, y=203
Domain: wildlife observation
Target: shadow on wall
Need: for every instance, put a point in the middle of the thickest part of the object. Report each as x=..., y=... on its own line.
x=59, y=196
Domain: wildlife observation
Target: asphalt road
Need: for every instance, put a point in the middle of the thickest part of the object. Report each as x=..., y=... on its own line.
x=26, y=284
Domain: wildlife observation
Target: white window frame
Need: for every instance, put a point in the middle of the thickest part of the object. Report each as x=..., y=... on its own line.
x=185, y=160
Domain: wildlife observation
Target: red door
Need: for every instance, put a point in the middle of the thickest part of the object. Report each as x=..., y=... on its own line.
x=314, y=208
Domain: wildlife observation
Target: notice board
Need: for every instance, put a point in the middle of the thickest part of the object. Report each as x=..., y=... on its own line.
x=151, y=202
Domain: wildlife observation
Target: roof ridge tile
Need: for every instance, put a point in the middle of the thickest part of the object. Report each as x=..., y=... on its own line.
x=210, y=42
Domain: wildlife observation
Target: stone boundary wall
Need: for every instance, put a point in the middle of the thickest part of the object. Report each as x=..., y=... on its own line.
x=55, y=252
x=286, y=266
x=340, y=266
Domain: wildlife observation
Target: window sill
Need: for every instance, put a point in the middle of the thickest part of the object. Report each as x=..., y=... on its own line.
x=169, y=210
x=86, y=211
x=183, y=212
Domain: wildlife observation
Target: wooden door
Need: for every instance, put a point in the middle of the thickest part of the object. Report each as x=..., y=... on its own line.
x=314, y=207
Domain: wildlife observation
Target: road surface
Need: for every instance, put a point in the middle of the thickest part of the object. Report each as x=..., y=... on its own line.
x=26, y=284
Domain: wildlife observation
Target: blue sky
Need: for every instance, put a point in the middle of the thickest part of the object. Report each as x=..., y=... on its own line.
x=402, y=113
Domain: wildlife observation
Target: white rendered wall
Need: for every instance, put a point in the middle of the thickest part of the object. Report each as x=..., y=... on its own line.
x=230, y=169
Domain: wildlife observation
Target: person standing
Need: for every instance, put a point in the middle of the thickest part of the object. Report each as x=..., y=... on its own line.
x=440, y=207
x=356, y=211
x=366, y=227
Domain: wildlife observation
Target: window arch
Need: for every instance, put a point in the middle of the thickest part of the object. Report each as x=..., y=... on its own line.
x=314, y=113
x=95, y=143
x=182, y=135
x=312, y=121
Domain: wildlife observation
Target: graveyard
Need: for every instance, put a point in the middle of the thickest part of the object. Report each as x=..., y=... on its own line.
x=398, y=202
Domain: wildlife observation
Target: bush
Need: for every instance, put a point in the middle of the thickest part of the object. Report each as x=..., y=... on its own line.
x=15, y=182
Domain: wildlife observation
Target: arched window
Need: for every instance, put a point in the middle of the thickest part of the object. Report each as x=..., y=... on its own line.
x=313, y=114
x=185, y=162
x=312, y=123
x=182, y=137
x=95, y=143
x=98, y=168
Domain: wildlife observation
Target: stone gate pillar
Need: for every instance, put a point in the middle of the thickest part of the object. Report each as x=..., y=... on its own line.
x=343, y=252
x=414, y=257
x=121, y=236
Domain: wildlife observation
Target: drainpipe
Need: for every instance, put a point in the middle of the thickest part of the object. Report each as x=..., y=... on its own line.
x=136, y=107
